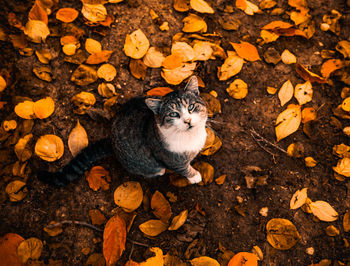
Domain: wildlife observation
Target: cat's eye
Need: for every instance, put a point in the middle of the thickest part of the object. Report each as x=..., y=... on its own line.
x=174, y=114
x=190, y=107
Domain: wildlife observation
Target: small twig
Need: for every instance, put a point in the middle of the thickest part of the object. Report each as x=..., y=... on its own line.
x=137, y=243
x=261, y=146
x=131, y=251
x=74, y=222
x=261, y=138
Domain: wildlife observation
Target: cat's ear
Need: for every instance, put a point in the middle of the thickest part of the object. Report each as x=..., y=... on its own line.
x=192, y=86
x=153, y=104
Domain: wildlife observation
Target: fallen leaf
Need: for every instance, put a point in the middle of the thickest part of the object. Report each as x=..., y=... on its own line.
x=114, y=238
x=68, y=39
x=16, y=190
x=172, y=260
x=44, y=108
x=106, y=90
x=244, y=258
x=29, y=249
x=183, y=50
x=136, y=44
x=288, y=58
x=99, y=57
x=181, y=5
x=282, y=28
x=49, y=148
x=212, y=104
x=153, y=227
x=268, y=36
x=346, y=221
x=331, y=230
x=156, y=260
x=202, y=51
x=172, y=61
x=228, y=22
x=138, y=68
x=285, y=94
x=201, y=6
x=346, y=104
x=159, y=91
x=232, y=66
x=204, y=261
x=44, y=55
x=153, y=58
x=246, y=50
x=69, y=49
x=14, y=22
x=288, y=121
x=67, y=14
x=161, y=207
x=84, y=75
x=92, y=46
x=178, y=181
x=248, y=7
x=53, y=231
x=25, y=110
x=220, y=180
x=3, y=83
x=43, y=73
x=23, y=152
x=96, y=259
x=295, y=150
x=343, y=167
x=238, y=89
x=9, y=125
x=206, y=170
x=299, y=17
x=38, y=13
x=178, y=220
x=36, y=30
x=97, y=217
x=303, y=92
x=177, y=75
x=343, y=47
x=107, y=72
x=330, y=66
x=194, y=23
x=310, y=162
x=298, y=199
x=212, y=144
x=83, y=101
x=98, y=178
x=8, y=249
x=77, y=139
x=267, y=4
x=94, y=13
x=282, y=233
x=308, y=114
x=323, y=211
x=129, y=196
x=308, y=75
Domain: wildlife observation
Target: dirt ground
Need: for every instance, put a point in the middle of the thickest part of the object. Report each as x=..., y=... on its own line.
x=223, y=205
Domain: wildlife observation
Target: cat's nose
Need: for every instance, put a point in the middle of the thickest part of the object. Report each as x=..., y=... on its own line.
x=187, y=120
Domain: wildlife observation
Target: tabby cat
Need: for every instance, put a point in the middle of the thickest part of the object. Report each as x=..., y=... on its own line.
x=148, y=135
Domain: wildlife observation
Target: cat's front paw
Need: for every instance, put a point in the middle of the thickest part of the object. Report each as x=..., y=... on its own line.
x=195, y=179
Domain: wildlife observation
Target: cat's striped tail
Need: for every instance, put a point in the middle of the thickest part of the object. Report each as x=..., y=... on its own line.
x=79, y=164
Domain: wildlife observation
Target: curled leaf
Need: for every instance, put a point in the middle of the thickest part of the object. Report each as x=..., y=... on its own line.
x=178, y=220
x=98, y=178
x=94, y=13
x=298, y=199
x=343, y=167
x=107, y=72
x=16, y=190
x=23, y=152
x=30, y=249
x=84, y=75
x=49, y=148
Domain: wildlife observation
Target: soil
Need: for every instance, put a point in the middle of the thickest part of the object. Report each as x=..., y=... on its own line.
x=231, y=218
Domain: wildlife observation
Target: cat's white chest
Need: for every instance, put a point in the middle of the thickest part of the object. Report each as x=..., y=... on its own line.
x=188, y=141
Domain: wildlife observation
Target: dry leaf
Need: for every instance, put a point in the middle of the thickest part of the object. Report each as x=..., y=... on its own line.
x=97, y=217
x=220, y=180
x=138, y=68
x=288, y=121
x=308, y=114
x=177, y=75
x=153, y=227
x=161, y=207
x=248, y=7
x=183, y=50
x=23, y=152
x=343, y=47
x=77, y=139
x=84, y=75
x=30, y=249
x=92, y=46
x=136, y=44
x=206, y=170
x=129, y=196
x=53, y=231
x=178, y=220
x=212, y=144
x=204, y=261
x=153, y=58
x=107, y=72
x=202, y=51
x=308, y=75
x=178, y=181
x=9, y=125
x=288, y=58
x=310, y=162
x=173, y=260
x=332, y=230
x=281, y=28
x=99, y=57
x=25, y=110
x=194, y=23
x=323, y=211
x=38, y=13
x=43, y=73
x=94, y=13
x=67, y=14
x=246, y=51
x=16, y=190
x=268, y=36
x=3, y=83
x=238, y=89
x=95, y=259
x=296, y=150
x=346, y=104
x=159, y=91
x=181, y=5
x=343, y=167
x=303, y=92
x=8, y=249
x=232, y=66
x=298, y=199
x=114, y=238
x=329, y=66
x=346, y=221
x=36, y=30
x=44, y=108
x=106, y=90
x=83, y=101
x=201, y=6
x=281, y=233
x=285, y=94
x=43, y=55
x=98, y=178
x=69, y=49
x=212, y=104
x=49, y=148
x=69, y=39
x=244, y=258
x=156, y=260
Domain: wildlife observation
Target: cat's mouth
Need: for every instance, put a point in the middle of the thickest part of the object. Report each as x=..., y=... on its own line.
x=189, y=127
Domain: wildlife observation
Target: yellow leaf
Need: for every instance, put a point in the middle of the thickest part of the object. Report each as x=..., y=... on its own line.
x=137, y=68
x=268, y=36
x=107, y=72
x=271, y=90
x=178, y=220
x=343, y=47
x=44, y=55
x=153, y=58
x=30, y=249
x=288, y=121
x=346, y=104
x=92, y=46
x=106, y=90
x=136, y=44
x=129, y=196
x=204, y=261
x=181, y=5
x=303, y=92
x=69, y=49
x=156, y=260
x=94, y=13
x=248, y=7
x=202, y=51
x=213, y=104
x=9, y=125
x=201, y=6
x=161, y=207
x=295, y=150
x=49, y=148
x=25, y=110
x=232, y=66
x=177, y=75
x=184, y=50
x=36, y=30
x=286, y=92
x=238, y=89
x=244, y=258
x=212, y=144
x=194, y=23
x=84, y=75
x=308, y=75
x=23, y=152
x=299, y=17
x=16, y=190
x=282, y=233
x=83, y=101
x=77, y=139
x=246, y=50
x=43, y=73
x=343, y=167
x=288, y=58
x=153, y=227
x=323, y=211
x=298, y=199
x=310, y=162
x=308, y=114
x=44, y=108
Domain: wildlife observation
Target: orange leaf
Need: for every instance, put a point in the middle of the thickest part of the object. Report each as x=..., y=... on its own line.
x=283, y=29
x=14, y=21
x=137, y=68
x=108, y=21
x=67, y=14
x=68, y=39
x=8, y=249
x=243, y=259
x=308, y=75
x=2, y=104
x=161, y=207
x=38, y=13
x=159, y=91
x=97, y=217
x=277, y=25
x=132, y=263
x=19, y=41
x=98, y=58
x=246, y=51
x=172, y=61
x=329, y=66
x=114, y=237
x=241, y=4
x=308, y=114
x=98, y=177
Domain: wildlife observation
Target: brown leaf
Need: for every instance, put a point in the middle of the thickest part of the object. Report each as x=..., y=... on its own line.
x=161, y=207
x=99, y=57
x=97, y=217
x=38, y=13
x=43, y=73
x=159, y=91
x=95, y=259
x=128, y=195
x=8, y=249
x=153, y=227
x=77, y=139
x=206, y=170
x=213, y=104
x=220, y=180
x=308, y=75
x=178, y=220
x=138, y=68
x=114, y=238
x=281, y=233
x=178, y=180
x=84, y=75
x=49, y=147
x=67, y=14
x=98, y=177
x=14, y=21
x=53, y=231
x=30, y=249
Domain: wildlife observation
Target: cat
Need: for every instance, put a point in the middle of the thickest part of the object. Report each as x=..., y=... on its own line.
x=148, y=136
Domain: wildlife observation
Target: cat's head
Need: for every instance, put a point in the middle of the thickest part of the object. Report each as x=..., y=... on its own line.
x=181, y=110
